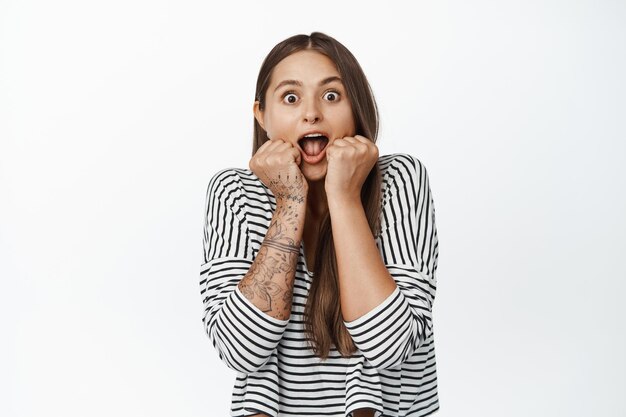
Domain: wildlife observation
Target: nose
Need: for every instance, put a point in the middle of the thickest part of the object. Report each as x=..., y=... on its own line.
x=312, y=112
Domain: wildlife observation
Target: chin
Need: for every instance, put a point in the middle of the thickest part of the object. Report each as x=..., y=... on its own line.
x=314, y=173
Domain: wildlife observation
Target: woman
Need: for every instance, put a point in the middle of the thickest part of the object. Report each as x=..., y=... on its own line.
x=319, y=265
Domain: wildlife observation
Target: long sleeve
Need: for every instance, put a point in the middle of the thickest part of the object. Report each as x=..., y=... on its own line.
x=391, y=332
x=244, y=336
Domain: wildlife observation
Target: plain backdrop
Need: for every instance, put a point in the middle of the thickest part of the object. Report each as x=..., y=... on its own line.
x=114, y=115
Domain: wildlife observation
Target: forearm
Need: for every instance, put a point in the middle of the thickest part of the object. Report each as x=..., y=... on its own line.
x=269, y=282
x=364, y=281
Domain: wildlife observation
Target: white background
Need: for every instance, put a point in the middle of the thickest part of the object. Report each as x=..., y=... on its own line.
x=114, y=115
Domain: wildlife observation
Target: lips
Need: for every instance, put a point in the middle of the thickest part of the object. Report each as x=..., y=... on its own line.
x=313, y=148
x=314, y=145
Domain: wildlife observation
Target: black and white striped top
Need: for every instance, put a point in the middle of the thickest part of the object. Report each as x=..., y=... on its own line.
x=393, y=370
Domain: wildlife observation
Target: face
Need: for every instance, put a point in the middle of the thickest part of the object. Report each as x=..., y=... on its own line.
x=306, y=94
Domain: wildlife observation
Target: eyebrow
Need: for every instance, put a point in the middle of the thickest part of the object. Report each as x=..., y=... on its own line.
x=325, y=81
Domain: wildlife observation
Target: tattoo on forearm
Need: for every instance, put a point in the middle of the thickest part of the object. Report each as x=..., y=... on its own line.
x=281, y=246
x=261, y=284
x=290, y=187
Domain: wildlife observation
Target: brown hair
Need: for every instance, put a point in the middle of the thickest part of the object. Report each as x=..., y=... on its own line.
x=322, y=314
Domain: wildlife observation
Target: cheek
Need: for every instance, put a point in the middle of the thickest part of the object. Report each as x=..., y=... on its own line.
x=275, y=122
x=271, y=128
x=346, y=116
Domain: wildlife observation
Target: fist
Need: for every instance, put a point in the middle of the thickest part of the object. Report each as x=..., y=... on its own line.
x=350, y=160
x=276, y=164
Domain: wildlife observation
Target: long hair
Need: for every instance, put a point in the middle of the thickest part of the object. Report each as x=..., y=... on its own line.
x=323, y=320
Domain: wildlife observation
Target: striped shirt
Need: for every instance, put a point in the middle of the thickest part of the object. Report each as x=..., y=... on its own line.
x=393, y=370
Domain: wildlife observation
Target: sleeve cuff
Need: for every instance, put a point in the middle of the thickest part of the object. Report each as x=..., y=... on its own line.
x=385, y=334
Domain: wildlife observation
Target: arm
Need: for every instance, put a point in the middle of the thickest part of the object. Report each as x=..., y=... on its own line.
x=269, y=282
x=364, y=281
x=246, y=301
x=387, y=305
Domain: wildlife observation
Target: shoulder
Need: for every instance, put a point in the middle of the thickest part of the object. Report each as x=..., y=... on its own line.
x=400, y=166
x=224, y=185
x=404, y=180
x=241, y=186
x=225, y=175
x=239, y=179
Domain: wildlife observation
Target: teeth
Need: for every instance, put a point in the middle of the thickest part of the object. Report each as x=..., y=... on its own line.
x=312, y=135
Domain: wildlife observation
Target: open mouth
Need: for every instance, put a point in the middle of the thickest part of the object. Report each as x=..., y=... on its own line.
x=312, y=146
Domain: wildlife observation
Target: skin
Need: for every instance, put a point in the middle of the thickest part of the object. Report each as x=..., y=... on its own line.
x=269, y=281
x=333, y=184
x=293, y=110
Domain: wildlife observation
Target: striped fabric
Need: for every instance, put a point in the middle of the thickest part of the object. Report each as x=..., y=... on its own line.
x=393, y=371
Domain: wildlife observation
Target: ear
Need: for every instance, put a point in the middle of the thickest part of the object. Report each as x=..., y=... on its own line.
x=258, y=114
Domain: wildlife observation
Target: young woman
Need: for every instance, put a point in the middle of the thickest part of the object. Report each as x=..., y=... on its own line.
x=318, y=275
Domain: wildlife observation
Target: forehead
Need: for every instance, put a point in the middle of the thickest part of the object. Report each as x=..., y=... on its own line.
x=306, y=66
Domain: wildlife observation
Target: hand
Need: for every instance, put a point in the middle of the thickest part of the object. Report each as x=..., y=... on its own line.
x=276, y=163
x=350, y=160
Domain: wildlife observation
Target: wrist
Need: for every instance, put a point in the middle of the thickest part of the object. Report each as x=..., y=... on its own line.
x=343, y=201
x=292, y=193
x=293, y=200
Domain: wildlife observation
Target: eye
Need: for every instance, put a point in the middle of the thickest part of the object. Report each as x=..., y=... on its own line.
x=334, y=94
x=287, y=94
